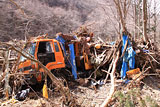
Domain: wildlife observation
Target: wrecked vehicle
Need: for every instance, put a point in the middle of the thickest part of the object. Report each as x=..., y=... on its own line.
x=63, y=52
x=48, y=52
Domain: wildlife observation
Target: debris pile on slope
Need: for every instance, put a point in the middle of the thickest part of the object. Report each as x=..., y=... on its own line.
x=123, y=60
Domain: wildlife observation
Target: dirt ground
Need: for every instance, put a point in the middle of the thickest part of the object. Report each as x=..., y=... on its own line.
x=87, y=96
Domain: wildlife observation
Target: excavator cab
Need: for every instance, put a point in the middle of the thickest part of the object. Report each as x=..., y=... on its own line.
x=48, y=52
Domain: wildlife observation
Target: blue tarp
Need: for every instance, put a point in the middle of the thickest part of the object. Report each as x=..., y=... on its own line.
x=129, y=57
x=73, y=62
x=62, y=41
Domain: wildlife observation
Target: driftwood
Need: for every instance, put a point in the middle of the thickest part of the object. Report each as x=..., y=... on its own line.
x=10, y=59
x=7, y=55
x=112, y=55
x=112, y=89
x=110, y=67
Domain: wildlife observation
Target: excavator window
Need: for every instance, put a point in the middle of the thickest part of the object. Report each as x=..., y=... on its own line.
x=45, y=52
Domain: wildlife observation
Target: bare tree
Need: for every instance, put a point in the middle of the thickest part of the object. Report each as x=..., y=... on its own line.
x=135, y=7
x=139, y=16
x=122, y=7
x=155, y=20
x=145, y=37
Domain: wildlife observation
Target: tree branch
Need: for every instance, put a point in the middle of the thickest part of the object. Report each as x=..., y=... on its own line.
x=112, y=89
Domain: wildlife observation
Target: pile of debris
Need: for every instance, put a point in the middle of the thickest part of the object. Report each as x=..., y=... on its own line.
x=122, y=60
